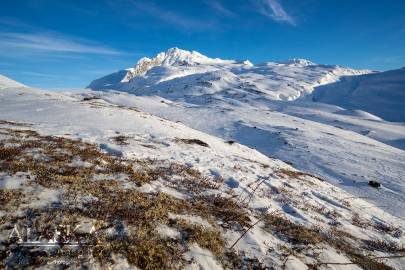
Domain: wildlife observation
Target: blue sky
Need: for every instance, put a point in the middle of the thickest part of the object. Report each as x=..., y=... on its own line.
x=65, y=44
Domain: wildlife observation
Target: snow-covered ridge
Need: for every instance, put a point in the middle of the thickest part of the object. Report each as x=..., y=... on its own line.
x=298, y=61
x=179, y=69
x=7, y=82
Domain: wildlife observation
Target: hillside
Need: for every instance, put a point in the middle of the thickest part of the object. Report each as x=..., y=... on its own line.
x=268, y=107
x=7, y=82
x=151, y=193
x=382, y=94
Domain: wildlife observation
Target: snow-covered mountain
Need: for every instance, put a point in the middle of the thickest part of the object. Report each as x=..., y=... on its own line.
x=143, y=192
x=382, y=94
x=172, y=57
x=179, y=72
x=269, y=107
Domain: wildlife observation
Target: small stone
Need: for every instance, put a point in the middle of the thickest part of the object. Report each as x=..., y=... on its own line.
x=374, y=184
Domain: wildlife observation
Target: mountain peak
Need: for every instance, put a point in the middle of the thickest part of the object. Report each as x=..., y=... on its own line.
x=172, y=57
x=176, y=56
x=178, y=52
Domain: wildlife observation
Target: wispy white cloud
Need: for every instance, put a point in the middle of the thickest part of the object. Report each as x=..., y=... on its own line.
x=50, y=42
x=274, y=10
x=219, y=7
x=171, y=17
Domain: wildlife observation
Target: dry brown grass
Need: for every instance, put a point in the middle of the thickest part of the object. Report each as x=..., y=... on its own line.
x=52, y=164
x=144, y=249
x=387, y=228
x=341, y=242
x=10, y=199
x=384, y=246
x=295, y=234
x=359, y=222
x=291, y=232
x=296, y=174
x=208, y=238
x=8, y=153
x=82, y=170
x=239, y=260
x=192, y=141
x=185, y=179
x=121, y=140
x=12, y=123
x=231, y=213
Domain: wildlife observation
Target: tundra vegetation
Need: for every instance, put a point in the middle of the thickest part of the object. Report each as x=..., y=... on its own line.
x=104, y=190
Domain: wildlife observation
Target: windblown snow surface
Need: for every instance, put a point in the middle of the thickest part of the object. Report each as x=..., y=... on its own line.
x=284, y=219
x=269, y=107
x=382, y=94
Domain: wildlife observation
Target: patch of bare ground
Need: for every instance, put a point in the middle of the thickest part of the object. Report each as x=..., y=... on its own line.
x=185, y=179
x=12, y=123
x=296, y=174
x=387, y=228
x=121, y=140
x=9, y=199
x=263, y=165
x=384, y=246
x=192, y=141
x=291, y=232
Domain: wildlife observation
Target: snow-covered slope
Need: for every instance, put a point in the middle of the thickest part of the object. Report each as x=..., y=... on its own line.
x=7, y=82
x=382, y=94
x=344, y=147
x=252, y=104
x=110, y=80
x=161, y=195
x=193, y=73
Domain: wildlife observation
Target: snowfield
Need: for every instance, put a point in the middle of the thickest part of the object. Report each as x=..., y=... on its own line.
x=381, y=94
x=259, y=211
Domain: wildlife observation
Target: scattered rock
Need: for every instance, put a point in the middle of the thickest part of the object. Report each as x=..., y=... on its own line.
x=90, y=98
x=374, y=184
